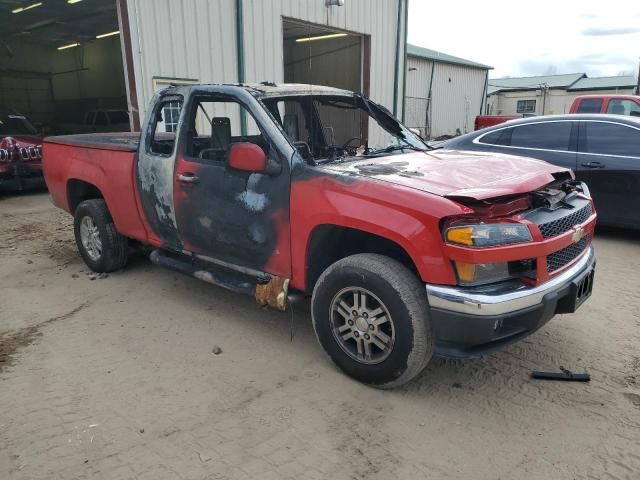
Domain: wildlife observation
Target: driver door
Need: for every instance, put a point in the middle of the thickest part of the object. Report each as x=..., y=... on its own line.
x=237, y=217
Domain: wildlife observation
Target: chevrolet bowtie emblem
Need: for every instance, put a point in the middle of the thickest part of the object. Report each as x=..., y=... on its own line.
x=578, y=233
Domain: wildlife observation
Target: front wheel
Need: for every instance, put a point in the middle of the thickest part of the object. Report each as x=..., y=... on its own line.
x=370, y=315
x=101, y=246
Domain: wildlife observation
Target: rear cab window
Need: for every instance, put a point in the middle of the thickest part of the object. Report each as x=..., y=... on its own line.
x=590, y=105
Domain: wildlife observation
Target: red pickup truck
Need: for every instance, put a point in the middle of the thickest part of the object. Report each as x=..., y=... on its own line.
x=612, y=104
x=268, y=189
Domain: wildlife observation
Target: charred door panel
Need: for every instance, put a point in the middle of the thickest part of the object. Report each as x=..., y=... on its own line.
x=236, y=216
x=155, y=169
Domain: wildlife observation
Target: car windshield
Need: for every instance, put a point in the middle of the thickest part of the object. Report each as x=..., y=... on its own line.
x=327, y=128
x=15, y=125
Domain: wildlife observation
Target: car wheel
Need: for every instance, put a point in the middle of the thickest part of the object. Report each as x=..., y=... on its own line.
x=101, y=246
x=370, y=315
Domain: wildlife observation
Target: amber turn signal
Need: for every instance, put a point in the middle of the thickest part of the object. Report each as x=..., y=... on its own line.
x=460, y=235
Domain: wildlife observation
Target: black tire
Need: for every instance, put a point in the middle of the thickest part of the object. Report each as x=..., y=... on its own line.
x=404, y=297
x=115, y=247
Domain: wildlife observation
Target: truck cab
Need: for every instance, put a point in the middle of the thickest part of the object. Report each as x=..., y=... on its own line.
x=611, y=104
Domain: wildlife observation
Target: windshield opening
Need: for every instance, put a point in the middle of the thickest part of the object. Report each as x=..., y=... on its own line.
x=15, y=125
x=327, y=128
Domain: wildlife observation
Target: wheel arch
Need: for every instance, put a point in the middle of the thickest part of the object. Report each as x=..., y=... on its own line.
x=329, y=242
x=80, y=190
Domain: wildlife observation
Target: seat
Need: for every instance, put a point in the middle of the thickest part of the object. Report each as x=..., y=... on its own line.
x=290, y=125
x=220, y=133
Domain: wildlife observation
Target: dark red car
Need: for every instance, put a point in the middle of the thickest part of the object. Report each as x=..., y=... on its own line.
x=20, y=153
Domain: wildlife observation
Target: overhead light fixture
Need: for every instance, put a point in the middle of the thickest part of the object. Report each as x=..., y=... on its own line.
x=110, y=34
x=71, y=45
x=28, y=7
x=320, y=37
x=71, y=2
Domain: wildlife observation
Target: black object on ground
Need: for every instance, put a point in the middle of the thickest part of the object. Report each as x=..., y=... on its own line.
x=565, y=375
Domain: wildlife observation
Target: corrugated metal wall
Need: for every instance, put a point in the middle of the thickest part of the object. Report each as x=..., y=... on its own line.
x=196, y=39
x=418, y=78
x=456, y=96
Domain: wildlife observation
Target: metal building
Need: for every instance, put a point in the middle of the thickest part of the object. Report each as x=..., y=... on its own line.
x=443, y=93
x=354, y=44
x=77, y=66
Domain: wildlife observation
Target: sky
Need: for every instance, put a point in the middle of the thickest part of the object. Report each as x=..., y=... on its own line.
x=600, y=38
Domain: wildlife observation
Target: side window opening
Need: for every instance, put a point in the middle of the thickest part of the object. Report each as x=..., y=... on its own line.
x=620, y=106
x=215, y=124
x=163, y=137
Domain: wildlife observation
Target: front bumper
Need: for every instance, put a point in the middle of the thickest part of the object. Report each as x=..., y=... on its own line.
x=469, y=322
x=21, y=176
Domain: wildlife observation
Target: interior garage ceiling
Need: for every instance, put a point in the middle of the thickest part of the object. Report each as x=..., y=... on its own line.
x=294, y=30
x=56, y=22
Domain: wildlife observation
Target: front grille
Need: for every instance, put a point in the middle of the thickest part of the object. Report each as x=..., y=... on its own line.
x=563, y=257
x=564, y=224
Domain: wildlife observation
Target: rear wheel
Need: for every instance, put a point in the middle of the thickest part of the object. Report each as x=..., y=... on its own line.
x=370, y=314
x=101, y=246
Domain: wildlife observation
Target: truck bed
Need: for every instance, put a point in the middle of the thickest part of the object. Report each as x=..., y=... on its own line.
x=120, y=141
x=105, y=161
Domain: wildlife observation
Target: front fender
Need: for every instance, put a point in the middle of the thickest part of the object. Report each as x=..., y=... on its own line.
x=405, y=216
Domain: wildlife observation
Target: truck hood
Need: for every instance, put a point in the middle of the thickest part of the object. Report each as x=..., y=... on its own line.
x=456, y=174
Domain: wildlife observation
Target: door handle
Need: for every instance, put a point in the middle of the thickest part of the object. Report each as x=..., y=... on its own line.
x=592, y=165
x=187, y=177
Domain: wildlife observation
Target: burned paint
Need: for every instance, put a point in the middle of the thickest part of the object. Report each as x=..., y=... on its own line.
x=155, y=177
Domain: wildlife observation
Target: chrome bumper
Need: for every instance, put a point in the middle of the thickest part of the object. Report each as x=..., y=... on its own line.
x=502, y=299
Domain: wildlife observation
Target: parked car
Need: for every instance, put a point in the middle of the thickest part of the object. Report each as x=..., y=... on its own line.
x=20, y=153
x=613, y=104
x=266, y=189
x=603, y=150
x=103, y=120
x=484, y=121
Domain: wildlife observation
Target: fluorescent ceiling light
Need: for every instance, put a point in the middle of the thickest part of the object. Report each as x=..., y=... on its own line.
x=73, y=1
x=102, y=35
x=321, y=37
x=71, y=45
x=28, y=7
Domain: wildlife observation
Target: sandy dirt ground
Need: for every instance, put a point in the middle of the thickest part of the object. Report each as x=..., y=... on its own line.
x=114, y=377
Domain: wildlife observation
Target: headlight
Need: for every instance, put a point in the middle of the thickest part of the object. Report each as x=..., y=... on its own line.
x=488, y=235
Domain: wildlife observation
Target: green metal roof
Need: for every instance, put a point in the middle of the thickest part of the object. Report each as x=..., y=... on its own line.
x=602, y=83
x=428, y=54
x=533, y=83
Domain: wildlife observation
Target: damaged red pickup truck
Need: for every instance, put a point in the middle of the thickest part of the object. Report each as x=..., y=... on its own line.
x=266, y=189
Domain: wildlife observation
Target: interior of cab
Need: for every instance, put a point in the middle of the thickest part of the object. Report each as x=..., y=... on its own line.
x=216, y=124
